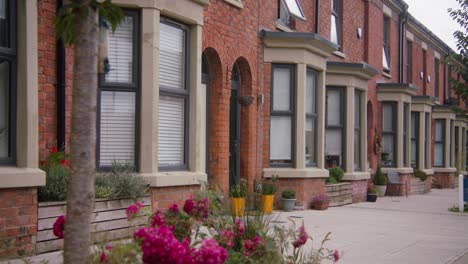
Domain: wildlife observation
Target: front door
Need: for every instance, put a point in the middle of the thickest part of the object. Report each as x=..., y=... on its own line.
x=234, y=130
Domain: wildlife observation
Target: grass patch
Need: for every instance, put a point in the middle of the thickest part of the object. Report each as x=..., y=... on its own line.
x=455, y=209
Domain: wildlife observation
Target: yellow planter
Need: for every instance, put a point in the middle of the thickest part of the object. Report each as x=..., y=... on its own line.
x=237, y=206
x=267, y=203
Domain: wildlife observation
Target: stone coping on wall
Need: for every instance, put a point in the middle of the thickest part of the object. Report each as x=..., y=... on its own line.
x=175, y=178
x=428, y=171
x=399, y=170
x=295, y=173
x=14, y=177
x=445, y=170
x=356, y=176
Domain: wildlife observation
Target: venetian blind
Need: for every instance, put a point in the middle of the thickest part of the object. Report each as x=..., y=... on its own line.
x=120, y=52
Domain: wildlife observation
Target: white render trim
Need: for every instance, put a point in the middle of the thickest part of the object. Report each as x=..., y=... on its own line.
x=356, y=176
x=428, y=171
x=387, y=11
x=409, y=36
x=175, y=178
x=424, y=45
x=236, y=3
x=13, y=177
x=399, y=170
x=295, y=173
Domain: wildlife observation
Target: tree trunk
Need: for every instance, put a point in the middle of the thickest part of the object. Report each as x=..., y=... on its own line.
x=80, y=196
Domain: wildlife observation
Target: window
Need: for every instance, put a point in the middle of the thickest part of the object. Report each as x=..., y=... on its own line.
x=439, y=148
x=388, y=134
x=414, y=139
x=436, y=78
x=118, y=93
x=173, y=95
x=424, y=80
x=405, y=133
x=335, y=22
x=386, y=44
x=334, y=138
x=357, y=130
x=311, y=118
x=288, y=10
x=409, y=61
x=426, y=141
x=7, y=82
x=282, y=115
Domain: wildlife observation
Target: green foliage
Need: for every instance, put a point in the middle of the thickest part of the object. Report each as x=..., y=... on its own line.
x=269, y=186
x=239, y=190
x=288, y=194
x=373, y=190
x=57, y=171
x=120, y=183
x=335, y=175
x=420, y=174
x=70, y=13
x=380, y=178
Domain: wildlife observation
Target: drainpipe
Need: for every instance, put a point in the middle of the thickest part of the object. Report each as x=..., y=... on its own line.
x=402, y=26
x=61, y=83
x=317, y=3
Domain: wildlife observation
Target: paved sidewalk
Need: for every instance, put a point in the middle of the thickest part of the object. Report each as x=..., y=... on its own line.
x=417, y=229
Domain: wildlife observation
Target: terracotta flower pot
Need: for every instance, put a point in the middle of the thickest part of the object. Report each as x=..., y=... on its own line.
x=237, y=206
x=267, y=203
x=321, y=205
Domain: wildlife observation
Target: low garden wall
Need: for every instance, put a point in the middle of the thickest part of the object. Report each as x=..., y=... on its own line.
x=109, y=222
x=420, y=187
x=340, y=194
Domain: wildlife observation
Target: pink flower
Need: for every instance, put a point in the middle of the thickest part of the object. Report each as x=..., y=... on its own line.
x=133, y=210
x=227, y=238
x=336, y=255
x=189, y=205
x=302, y=239
x=158, y=219
x=251, y=246
x=174, y=208
x=103, y=257
x=59, y=226
x=210, y=252
x=240, y=227
x=198, y=209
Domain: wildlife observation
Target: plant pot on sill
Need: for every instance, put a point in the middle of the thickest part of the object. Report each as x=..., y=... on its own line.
x=288, y=204
x=382, y=190
x=321, y=205
x=237, y=206
x=267, y=203
x=372, y=197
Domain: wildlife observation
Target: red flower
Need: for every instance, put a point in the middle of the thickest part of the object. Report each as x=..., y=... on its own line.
x=336, y=255
x=103, y=258
x=64, y=162
x=53, y=149
x=43, y=162
x=302, y=239
x=59, y=226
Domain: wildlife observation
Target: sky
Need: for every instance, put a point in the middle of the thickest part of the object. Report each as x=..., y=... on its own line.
x=433, y=14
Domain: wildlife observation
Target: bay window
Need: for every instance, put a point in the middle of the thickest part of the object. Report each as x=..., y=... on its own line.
x=388, y=134
x=282, y=115
x=334, y=137
x=311, y=118
x=439, y=144
x=415, y=139
x=173, y=96
x=118, y=93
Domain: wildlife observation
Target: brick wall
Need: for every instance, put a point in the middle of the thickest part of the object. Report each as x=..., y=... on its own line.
x=306, y=189
x=18, y=221
x=359, y=191
x=162, y=198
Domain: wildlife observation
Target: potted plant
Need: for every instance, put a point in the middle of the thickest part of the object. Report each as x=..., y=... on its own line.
x=321, y=202
x=268, y=195
x=372, y=194
x=380, y=181
x=335, y=175
x=288, y=200
x=238, y=193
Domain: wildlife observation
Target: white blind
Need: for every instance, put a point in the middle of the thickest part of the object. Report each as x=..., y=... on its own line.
x=117, y=134
x=439, y=155
x=280, y=138
x=120, y=52
x=171, y=131
x=310, y=93
x=333, y=108
x=439, y=130
x=171, y=57
x=4, y=105
x=333, y=142
x=334, y=30
x=281, y=89
x=388, y=117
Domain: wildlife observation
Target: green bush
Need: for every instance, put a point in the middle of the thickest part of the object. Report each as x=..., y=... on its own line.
x=120, y=183
x=239, y=190
x=56, y=169
x=288, y=194
x=420, y=174
x=373, y=190
x=269, y=186
x=380, y=178
x=335, y=175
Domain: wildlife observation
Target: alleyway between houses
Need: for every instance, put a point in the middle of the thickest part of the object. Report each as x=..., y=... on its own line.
x=418, y=229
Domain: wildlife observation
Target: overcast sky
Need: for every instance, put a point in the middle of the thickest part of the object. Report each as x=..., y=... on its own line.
x=433, y=14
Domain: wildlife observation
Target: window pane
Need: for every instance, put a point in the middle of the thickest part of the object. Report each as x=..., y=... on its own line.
x=310, y=151
x=281, y=89
x=171, y=131
x=357, y=112
x=280, y=138
x=117, y=128
x=388, y=150
x=333, y=146
x=439, y=130
x=388, y=115
x=4, y=23
x=439, y=155
x=357, y=150
x=333, y=107
x=414, y=155
x=171, y=57
x=311, y=90
x=294, y=8
x=385, y=61
x=334, y=30
x=120, y=52
x=4, y=108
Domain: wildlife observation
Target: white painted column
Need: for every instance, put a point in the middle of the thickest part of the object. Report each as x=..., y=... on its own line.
x=321, y=92
x=364, y=131
x=399, y=141
x=421, y=145
x=301, y=74
x=349, y=129
x=448, y=144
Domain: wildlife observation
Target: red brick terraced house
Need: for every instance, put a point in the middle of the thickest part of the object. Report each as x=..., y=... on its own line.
x=219, y=90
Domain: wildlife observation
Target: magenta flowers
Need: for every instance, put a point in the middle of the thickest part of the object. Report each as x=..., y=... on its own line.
x=302, y=239
x=59, y=226
x=133, y=210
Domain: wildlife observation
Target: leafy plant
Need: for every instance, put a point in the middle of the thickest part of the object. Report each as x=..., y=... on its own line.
x=269, y=186
x=335, y=175
x=288, y=194
x=56, y=169
x=239, y=190
x=373, y=190
x=380, y=178
x=120, y=183
x=322, y=198
x=420, y=174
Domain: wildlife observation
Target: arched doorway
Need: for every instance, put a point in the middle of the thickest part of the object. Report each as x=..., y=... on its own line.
x=234, y=127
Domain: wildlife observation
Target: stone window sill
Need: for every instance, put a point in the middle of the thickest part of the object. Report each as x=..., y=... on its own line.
x=175, y=178
x=235, y=3
x=14, y=177
x=283, y=27
x=356, y=176
x=428, y=171
x=339, y=54
x=386, y=75
x=295, y=173
x=444, y=170
x=399, y=170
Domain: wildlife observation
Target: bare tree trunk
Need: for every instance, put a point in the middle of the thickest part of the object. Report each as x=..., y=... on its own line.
x=80, y=196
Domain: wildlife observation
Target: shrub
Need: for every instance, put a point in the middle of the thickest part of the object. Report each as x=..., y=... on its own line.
x=420, y=174
x=239, y=190
x=269, y=187
x=380, y=178
x=322, y=198
x=288, y=194
x=56, y=169
x=120, y=183
x=373, y=190
x=335, y=175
